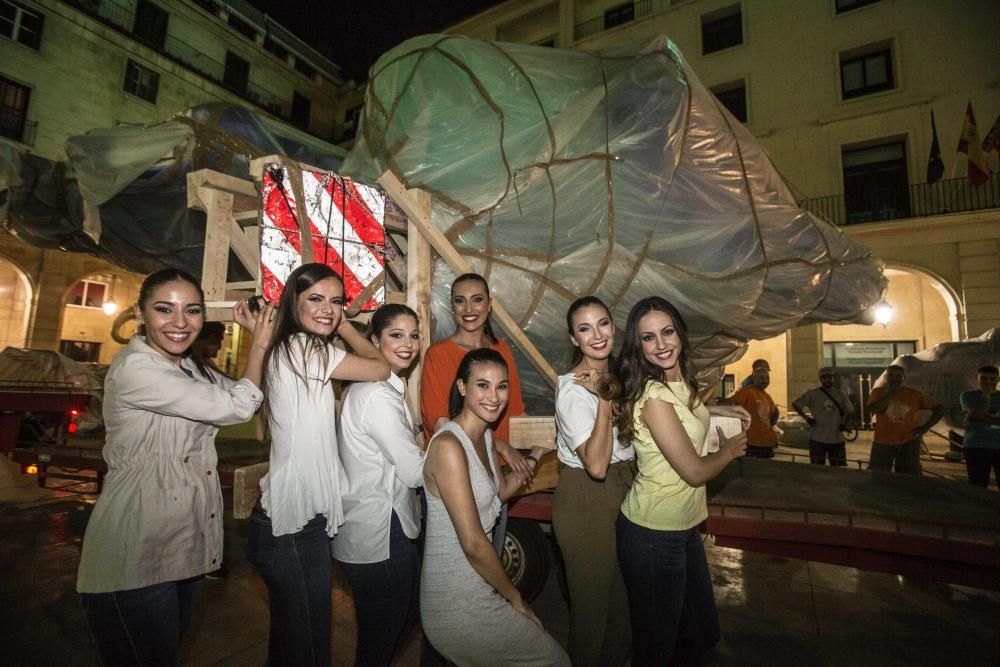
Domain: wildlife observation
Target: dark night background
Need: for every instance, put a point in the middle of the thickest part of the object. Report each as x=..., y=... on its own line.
x=354, y=33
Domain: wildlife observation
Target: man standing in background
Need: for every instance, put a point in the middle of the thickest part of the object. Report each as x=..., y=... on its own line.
x=898, y=429
x=761, y=437
x=825, y=408
x=982, y=428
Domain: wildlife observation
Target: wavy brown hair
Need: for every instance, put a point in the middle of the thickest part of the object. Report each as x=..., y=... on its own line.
x=635, y=372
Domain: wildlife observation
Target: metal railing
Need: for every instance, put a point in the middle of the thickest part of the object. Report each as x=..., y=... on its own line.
x=122, y=17
x=640, y=9
x=954, y=195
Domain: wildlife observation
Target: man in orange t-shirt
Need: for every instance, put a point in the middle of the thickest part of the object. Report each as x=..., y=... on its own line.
x=761, y=438
x=898, y=427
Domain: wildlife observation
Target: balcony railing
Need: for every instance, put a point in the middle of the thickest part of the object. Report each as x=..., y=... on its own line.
x=955, y=195
x=640, y=9
x=122, y=17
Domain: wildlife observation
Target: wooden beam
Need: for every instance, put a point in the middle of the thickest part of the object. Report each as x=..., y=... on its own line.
x=245, y=197
x=418, y=294
x=420, y=218
x=218, y=223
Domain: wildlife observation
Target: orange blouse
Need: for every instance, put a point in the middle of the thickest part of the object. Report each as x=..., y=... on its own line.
x=440, y=365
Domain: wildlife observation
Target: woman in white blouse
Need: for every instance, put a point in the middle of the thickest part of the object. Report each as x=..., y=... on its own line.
x=300, y=505
x=384, y=465
x=595, y=473
x=157, y=526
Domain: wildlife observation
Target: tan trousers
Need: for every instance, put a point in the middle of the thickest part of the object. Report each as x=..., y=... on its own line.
x=583, y=518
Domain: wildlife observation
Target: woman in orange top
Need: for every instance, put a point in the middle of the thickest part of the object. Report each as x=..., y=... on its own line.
x=470, y=306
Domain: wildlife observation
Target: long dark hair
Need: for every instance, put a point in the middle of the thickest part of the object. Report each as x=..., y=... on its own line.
x=475, y=277
x=160, y=278
x=635, y=371
x=482, y=355
x=288, y=326
x=583, y=302
x=385, y=315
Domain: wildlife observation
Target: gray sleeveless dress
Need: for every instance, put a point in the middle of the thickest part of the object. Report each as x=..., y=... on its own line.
x=465, y=619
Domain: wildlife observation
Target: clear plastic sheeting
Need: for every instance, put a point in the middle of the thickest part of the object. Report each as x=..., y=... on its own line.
x=123, y=193
x=946, y=370
x=562, y=173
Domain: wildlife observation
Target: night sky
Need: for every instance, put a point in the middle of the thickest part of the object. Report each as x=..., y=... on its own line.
x=354, y=33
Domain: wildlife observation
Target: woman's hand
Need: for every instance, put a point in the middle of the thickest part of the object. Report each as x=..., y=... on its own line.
x=522, y=608
x=264, y=322
x=243, y=316
x=733, y=447
x=589, y=380
x=736, y=411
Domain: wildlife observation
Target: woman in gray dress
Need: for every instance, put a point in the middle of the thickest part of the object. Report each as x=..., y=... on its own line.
x=470, y=611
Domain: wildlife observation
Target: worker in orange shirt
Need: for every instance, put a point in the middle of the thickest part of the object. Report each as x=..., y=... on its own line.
x=898, y=427
x=761, y=437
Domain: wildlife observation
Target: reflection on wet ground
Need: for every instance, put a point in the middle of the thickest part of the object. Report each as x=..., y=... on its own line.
x=774, y=611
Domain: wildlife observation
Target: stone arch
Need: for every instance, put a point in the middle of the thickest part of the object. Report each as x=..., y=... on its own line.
x=952, y=298
x=17, y=298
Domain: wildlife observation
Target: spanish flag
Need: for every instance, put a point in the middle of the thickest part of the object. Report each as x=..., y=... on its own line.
x=969, y=144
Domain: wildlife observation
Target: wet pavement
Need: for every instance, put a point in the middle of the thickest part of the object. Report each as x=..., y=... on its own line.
x=774, y=611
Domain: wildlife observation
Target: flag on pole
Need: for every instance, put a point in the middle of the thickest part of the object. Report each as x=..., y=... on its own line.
x=969, y=144
x=992, y=141
x=935, y=165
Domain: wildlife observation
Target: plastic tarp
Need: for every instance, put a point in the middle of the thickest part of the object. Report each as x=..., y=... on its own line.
x=946, y=370
x=562, y=173
x=122, y=195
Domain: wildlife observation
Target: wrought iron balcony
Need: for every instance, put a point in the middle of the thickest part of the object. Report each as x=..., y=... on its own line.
x=955, y=195
x=612, y=17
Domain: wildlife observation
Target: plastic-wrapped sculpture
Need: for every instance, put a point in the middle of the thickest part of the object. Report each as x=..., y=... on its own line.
x=561, y=173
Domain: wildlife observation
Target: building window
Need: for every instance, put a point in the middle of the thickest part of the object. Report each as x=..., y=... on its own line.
x=865, y=71
x=618, y=15
x=875, y=183
x=848, y=5
x=208, y=5
x=80, y=350
x=275, y=47
x=150, y=24
x=721, y=29
x=140, y=81
x=242, y=27
x=237, y=74
x=733, y=96
x=87, y=294
x=300, y=111
x=21, y=24
x=305, y=68
x=14, y=100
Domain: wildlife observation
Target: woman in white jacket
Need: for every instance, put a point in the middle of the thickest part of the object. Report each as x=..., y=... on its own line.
x=383, y=464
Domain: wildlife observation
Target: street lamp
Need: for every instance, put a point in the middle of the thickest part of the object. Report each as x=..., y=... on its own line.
x=883, y=313
x=110, y=308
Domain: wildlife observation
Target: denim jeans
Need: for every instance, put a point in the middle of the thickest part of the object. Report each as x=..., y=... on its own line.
x=296, y=570
x=905, y=458
x=142, y=626
x=978, y=461
x=669, y=591
x=386, y=598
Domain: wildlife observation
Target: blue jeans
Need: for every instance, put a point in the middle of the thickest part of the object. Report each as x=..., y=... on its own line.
x=669, y=591
x=142, y=626
x=386, y=598
x=296, y=570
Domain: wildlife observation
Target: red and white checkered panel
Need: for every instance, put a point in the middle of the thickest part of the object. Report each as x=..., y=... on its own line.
x=346, y=224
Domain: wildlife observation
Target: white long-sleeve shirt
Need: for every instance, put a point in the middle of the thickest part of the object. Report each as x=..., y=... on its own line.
x=159, y=517
x=383, y=464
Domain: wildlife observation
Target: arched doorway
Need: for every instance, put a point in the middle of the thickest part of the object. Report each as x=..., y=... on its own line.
x=15, y=305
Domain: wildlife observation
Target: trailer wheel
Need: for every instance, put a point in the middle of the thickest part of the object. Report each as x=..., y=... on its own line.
x=526, y=557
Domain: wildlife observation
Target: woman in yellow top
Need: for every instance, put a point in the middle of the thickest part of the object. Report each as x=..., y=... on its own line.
x=659, y=548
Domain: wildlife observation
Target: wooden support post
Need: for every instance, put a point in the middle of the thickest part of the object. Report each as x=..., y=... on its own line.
x=219, y=211
x=421, y=218
x=418, y=293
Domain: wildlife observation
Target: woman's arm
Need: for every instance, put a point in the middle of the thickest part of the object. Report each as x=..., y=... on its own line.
x=261, y=327
x=446, y=474
x=674, y=443
x=385, y=420
x=511, y=482
x=366, y=364
x=595, y=451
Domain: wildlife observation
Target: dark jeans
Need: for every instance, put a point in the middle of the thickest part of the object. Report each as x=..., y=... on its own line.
x=820, y=451
x=669, y=591
x=978, y=461
x=904, y=458
x=296, y=570
x=142, y=626
x=755, y=452
x=386, y=598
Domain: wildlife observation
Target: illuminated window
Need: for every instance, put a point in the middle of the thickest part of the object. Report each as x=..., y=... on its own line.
x=87, y=294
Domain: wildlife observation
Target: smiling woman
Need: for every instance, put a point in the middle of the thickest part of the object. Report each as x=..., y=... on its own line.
x=157, y=527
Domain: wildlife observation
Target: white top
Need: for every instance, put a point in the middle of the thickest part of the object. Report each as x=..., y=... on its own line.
x=305, y=476
x=576, y=412
x=159, y=517
x=383, y=463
